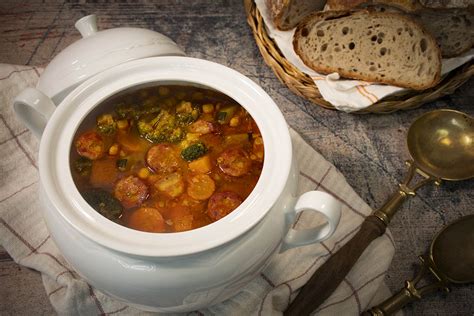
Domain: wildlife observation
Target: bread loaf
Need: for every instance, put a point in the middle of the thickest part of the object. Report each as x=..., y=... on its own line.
x=372, y=46
x=286, y=14
x=453, y=29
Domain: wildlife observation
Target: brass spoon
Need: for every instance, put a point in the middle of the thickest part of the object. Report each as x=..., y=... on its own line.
x=441, y=143
x=450, y=260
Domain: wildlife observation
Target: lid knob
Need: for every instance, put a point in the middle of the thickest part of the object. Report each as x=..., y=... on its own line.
x=87, y=25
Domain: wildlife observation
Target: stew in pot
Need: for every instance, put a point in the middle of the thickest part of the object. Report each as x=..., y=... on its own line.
x=167, y=158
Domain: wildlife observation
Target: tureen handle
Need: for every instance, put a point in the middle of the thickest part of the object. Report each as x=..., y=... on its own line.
x=34, y=109
x=319, y=202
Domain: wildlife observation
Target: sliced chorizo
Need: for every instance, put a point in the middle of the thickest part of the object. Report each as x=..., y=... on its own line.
x=162, y=158
x=202, y=127
x=131, y=191
x=222, y=203
x=90, y=145
x=201, y=187
x=172, y=184
x=147, y=219
x=234, y=162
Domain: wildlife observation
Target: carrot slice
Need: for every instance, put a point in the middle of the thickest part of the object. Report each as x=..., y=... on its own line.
x=147, y=219
x=171, y=184
x=201, y=187
x=129, y=142
x=181, y=218
x=103, y=172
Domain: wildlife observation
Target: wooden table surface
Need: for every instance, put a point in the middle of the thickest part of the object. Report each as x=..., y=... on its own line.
x=369, y=150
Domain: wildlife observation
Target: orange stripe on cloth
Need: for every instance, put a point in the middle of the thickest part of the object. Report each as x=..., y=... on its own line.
x=373, y=98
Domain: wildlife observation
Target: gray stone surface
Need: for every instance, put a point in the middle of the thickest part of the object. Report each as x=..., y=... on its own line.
x=368, y=149
x=21, y=290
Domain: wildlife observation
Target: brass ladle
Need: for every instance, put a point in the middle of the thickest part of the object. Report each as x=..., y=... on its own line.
x=441, y=144
x=450, y=260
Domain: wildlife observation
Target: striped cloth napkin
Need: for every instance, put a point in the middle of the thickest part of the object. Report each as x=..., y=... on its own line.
x=24, y=235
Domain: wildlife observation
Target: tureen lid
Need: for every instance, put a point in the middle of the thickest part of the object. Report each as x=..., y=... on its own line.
x=97, y=51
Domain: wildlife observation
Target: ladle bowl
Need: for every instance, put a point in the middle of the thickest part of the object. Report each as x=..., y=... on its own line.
x=452, y=251
x=450, y=260
x=441, y=144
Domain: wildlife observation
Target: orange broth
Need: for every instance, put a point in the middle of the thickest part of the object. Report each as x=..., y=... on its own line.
x=167, y=158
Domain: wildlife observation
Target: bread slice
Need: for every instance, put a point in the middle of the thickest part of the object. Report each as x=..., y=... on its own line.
x=286, y=14
x=453, y=29
x=372, y=46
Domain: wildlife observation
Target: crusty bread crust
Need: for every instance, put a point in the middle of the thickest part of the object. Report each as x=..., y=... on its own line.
x=453, y=29
x=275, y=8
x=445, y=4
x=405, y=5
x=312, y=58
x=286, y=14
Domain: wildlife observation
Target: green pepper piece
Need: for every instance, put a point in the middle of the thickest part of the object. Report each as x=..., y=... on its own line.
x=193, y=151
x=224, y=115
x=121, y=164
x=104, y=203
x=83, y=166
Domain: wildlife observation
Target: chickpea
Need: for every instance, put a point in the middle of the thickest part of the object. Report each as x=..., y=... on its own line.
x=235, y=121
x=208, y=108
x=114, y=150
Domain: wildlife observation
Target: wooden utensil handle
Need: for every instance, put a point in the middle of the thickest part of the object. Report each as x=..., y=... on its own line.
x=327, y=278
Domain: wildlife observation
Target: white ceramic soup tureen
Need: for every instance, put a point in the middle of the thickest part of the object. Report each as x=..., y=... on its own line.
x=171, y=272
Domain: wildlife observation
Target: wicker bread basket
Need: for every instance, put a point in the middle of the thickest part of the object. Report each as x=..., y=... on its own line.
x=304, y=86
